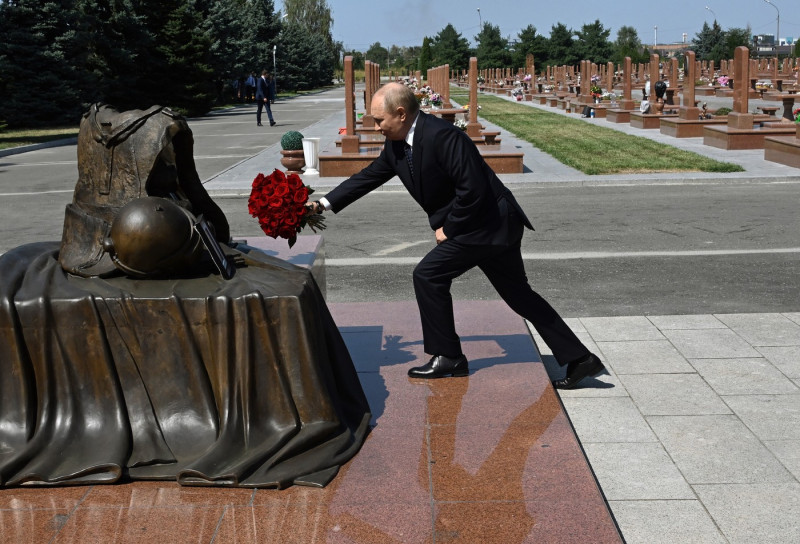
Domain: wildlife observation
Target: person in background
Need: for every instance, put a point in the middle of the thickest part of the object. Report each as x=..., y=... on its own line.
x=250, y=87
x=265, y=95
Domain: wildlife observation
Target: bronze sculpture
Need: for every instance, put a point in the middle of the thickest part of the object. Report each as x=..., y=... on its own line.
x=183, y=375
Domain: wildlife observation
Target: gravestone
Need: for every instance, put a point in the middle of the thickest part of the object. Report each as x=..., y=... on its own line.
x=350, y=140
x=688, y=109
x=740, y=118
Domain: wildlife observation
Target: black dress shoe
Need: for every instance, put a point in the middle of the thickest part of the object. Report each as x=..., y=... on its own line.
x=272, y=123
x=259, y=124
x=440, y=366
x=578, y=370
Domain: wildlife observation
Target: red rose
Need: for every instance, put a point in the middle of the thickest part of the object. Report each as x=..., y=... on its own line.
x=287, y=231
x=281, y=189
x=301, y=195
x=294, y=181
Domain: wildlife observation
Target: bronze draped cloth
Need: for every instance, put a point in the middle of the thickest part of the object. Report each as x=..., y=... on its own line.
x=244, y=382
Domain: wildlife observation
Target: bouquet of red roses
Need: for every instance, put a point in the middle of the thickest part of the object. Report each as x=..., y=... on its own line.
x=279, y=202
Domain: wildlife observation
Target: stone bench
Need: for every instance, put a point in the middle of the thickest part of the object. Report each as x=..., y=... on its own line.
x=769, y=110
x=490, y=138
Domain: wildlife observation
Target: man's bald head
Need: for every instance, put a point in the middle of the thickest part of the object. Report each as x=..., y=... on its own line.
x=397, y=95
x=394, y=108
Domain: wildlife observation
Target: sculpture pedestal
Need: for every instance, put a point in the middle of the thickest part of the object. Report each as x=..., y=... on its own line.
x=243, y=382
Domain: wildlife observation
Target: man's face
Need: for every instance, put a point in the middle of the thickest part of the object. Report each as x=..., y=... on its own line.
x=391, y=124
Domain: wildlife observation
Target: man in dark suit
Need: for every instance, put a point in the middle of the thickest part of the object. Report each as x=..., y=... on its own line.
x=265, y=93
x=477, y=222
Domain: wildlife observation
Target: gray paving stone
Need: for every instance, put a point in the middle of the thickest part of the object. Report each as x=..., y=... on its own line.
x=673, y=394
x=764, y=329
x=717, y=449
x=613, y=419
x=794, y=316
x=770, y=417
x=710, y=344
x=743, y=376
x=788, y=453
x=615, y=329
x=705, y=321
x=644, y=357
x=665, y=522
x=785, y=358
x=636, y=471
x=604, y=385
x=754, y=513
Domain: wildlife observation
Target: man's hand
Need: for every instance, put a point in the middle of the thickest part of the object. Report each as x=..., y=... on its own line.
x=313, y=208
x=440, y=237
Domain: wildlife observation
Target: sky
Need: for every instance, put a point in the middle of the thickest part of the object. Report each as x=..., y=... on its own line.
x=360, y=23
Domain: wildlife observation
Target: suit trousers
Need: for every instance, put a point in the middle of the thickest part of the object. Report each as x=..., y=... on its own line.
x=261, y=105
x=504, y=268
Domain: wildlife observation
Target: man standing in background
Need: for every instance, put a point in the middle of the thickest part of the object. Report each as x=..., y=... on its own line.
x=265, y=94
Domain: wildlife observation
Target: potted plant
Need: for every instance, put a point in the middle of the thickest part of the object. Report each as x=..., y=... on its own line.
x=292, y=151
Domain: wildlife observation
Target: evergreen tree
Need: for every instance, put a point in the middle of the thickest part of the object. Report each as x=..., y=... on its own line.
x=305, y=62
x=42, y=55
x=708, y=44
x=492, y=50
x=530, y=42
x=562, y=48
x=425, y=57
x=262, y=27
x=117, y=52
x=377, y=54
x=358, y=59
x=229, y=39
x=628, y=44
x=735, y=37
x=593, y=43
x=449, y=47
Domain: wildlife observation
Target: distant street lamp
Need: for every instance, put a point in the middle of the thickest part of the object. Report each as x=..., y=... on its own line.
x=480, y=21
x=655, y=37
x=712, y=13
x=778, y=29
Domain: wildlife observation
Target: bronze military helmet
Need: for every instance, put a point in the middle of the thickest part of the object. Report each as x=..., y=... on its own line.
x=153, y=236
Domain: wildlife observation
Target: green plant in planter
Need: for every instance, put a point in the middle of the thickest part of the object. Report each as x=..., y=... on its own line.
x=292, y=141
x=722, y=111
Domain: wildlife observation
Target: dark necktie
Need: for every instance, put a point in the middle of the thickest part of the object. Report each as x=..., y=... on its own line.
x=409, y=159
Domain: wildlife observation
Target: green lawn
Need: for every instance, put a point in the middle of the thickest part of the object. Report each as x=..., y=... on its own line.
x=16, y=138
x=587, y=147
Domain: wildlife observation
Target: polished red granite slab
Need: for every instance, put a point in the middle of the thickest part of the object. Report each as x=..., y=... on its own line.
x=489, y=458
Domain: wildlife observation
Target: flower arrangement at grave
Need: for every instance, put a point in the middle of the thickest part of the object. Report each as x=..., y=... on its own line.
x=460, y=123
x=549, y=88
x=279, y=201
x=610, y=96
x=517, y=93
x=436, y=100
x=763, y=85
x=723, y=80
x=596, y=91
x=796, y=114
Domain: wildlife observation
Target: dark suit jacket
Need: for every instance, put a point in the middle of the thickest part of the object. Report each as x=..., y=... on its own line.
x=265, y=89
x=451, y=181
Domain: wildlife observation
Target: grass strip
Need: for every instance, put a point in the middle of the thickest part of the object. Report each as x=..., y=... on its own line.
x=16, y=138
x=592, y=149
